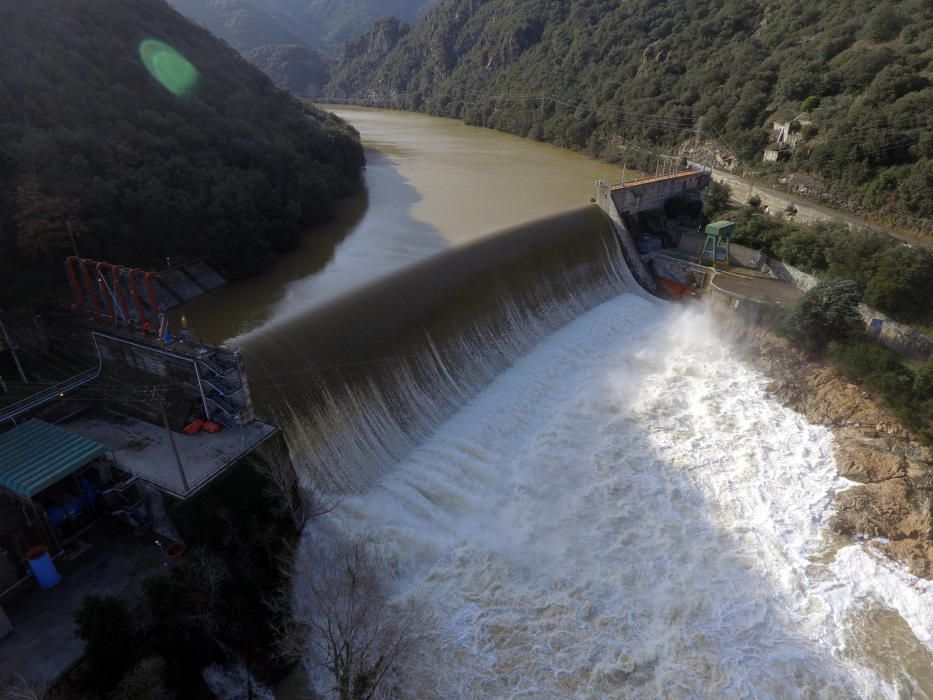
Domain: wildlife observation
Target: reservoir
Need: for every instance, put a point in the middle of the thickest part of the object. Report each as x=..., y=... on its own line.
x=584, y=492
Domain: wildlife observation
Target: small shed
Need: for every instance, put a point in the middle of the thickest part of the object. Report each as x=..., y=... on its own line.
x=36, y=454
x=33, y=457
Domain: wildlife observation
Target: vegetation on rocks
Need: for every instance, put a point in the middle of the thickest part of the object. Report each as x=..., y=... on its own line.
x=624, y=79
x=93, y=147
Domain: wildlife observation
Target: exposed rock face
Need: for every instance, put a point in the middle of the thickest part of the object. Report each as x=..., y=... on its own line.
x=894, y=470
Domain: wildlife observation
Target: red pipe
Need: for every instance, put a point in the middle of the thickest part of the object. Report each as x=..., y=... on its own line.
x=91, y=287
x=137, y=300
x=75, y=285
x=121, y=294
x=105, y=290
x=153, y=301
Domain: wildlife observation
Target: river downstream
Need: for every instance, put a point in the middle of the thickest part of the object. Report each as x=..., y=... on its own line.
x=584, y=492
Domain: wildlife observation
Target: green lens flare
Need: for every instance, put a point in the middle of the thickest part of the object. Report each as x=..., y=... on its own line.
x=170, y=68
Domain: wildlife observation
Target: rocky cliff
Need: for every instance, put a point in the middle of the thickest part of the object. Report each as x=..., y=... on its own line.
x=894, y=470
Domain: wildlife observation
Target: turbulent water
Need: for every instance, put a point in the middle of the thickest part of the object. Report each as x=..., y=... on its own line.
x=624, y=512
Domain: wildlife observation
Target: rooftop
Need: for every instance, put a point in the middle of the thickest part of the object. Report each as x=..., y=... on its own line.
x=655, y=178
x=36, y=454
x=144, y=449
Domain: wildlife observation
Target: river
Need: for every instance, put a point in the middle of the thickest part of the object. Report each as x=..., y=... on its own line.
x=584, y=492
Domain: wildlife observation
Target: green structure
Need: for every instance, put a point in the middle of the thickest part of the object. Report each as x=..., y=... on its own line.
x=36, y=455
x=718, y=242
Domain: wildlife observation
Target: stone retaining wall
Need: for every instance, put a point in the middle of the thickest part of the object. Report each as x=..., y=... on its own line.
x=899, y=337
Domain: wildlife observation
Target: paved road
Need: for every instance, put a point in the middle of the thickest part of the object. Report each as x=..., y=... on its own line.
x=820, y=211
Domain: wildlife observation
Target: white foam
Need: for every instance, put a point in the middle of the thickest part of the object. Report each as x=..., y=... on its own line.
x=626, y=513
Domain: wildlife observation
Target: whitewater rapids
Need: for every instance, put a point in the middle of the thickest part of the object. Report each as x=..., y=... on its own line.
x=625, y=513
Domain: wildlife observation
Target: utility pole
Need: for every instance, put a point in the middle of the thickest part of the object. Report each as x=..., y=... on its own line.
x=157, y=395
x=699, y=130
x=72, y=235
x=9, y=344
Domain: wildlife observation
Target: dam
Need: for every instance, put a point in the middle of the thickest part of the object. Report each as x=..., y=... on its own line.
x=583, y=490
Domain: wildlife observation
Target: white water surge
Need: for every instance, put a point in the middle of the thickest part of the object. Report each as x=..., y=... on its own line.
x=626, y=513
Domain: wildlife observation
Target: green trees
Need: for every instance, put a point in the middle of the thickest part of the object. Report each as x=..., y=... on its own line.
x=903, y=284
x=826, y=313
x=884, y=24
x=807, y=248
x=233, y=170
x=106, y=626
x=716, y=200
x=594, y=74
x=855, y=256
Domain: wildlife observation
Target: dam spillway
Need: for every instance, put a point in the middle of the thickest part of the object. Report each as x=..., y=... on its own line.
x=365, y=378
x=586, y=493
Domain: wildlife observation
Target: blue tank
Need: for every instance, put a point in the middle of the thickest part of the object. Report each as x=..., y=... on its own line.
x=43, y=568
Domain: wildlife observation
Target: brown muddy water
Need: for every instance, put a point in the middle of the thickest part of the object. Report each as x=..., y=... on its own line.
x=430, y=184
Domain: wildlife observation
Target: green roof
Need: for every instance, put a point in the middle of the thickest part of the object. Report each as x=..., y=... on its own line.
x=720, y=227
x=36, y=454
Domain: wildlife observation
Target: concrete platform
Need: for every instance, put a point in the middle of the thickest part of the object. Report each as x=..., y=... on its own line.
x=43, y=646
x=144, y=449
x=756, y=286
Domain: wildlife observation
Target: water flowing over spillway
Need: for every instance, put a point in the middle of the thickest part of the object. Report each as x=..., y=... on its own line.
x=381, y=369
x=625, y=513
x=584, y=491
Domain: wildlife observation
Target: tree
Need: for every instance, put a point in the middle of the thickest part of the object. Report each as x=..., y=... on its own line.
x=290, y=497
x=105, y=624
x=43, y=221
x=716, y=200
x=855, y=256
x=884, y=24
x=826, y=313
x=145, y=681
x=18, y=688
x=343, y=615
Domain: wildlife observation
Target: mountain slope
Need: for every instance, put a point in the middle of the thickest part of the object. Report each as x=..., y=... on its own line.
x=230, y=167
x=298, y=69
x=241, y=23
x=594, y=74
x=321, y=24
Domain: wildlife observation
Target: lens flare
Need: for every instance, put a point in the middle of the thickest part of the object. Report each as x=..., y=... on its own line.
x=170, y=68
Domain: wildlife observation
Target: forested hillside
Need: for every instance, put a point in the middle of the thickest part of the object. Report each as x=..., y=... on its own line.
x=243, y=24
x=212, y=161
x=321, y=24
x=298, y=69
x=850, y=78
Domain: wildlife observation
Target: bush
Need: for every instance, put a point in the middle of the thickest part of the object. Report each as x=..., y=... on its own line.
x=907, y=392
x=923, y=380
x=826, y=313
x=902, y=285
x=807, y=248
x=758, y=230
x=859, y=361
x=856, y=256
